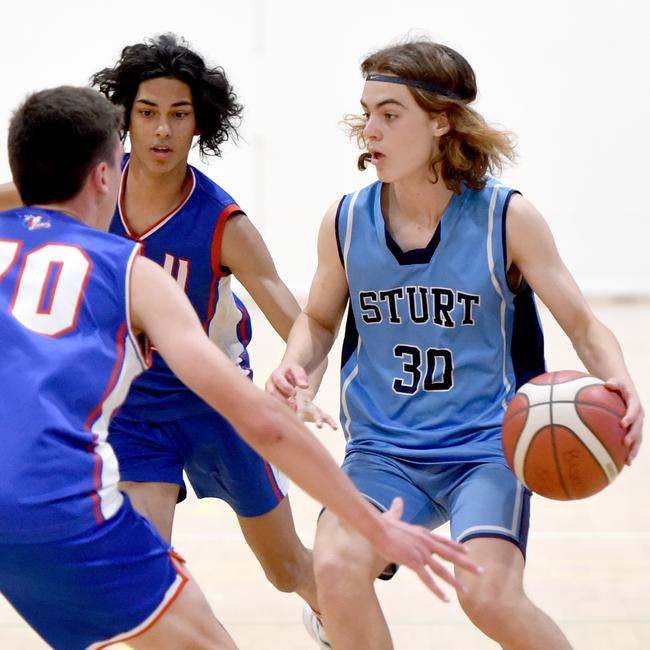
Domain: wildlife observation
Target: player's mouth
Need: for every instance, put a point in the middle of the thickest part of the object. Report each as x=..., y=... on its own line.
x=376, y=157
x=161, y=151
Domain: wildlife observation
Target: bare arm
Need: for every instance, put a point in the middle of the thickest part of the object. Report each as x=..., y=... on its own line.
x=161, y=310
x=244, y=252
x=9, y=197
x=532, y=248
x=316, y=328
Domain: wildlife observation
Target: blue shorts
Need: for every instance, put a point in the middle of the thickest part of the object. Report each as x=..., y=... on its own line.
x=478, y=499
x=217, y=461
x=108, y=583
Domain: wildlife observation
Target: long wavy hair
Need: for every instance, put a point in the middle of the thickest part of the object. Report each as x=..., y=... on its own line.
x=472, y=147
x=218, y=113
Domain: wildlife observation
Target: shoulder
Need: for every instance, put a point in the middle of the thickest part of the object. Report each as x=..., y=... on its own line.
x=210, y=193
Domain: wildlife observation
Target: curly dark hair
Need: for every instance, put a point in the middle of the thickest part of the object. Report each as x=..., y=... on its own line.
x=55, y=137
x=218, y=113
x=472, y=147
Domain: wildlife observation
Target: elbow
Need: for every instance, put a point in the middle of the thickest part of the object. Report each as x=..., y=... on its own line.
x=264, y=426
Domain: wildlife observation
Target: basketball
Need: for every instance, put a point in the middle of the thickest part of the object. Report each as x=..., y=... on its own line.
x=562, y=435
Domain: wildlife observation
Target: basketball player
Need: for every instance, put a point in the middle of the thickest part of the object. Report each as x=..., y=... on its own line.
x=198, y=233
x=76, y=560
x=435, y=259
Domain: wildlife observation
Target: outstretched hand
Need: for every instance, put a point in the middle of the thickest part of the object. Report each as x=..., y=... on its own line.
x=307, y=411
x=633, y=418
x=415, y=546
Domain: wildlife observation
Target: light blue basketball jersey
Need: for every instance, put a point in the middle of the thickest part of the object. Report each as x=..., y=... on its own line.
x=429, y=358
x=68, y=358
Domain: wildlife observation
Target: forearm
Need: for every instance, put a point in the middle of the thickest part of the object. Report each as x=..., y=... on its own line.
x=293, y=449
x=308, y=344
x=600, y=352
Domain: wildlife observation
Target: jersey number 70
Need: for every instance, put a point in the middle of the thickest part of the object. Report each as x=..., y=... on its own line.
x=49, y=287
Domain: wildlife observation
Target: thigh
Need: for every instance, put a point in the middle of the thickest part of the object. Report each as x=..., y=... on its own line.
x=156, y=502
x=219, y=463
x=488, y=501
x=105, y=583
x=381, y=479
x=338, y=545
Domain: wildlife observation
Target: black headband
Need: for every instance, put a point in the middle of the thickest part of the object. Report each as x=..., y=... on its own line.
x=415, y=83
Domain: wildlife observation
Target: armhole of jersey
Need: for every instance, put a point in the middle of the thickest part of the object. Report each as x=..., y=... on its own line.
x=141, y=343
x=504, y=242
x=336, y=228
x=217, y=237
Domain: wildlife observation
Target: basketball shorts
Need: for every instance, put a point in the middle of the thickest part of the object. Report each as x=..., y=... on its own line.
x=216, y=460
x=105, y=585
x=478, y=499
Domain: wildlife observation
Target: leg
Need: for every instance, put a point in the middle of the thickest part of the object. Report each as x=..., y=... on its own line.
x=188, y=623
x=286, y=562
x=497, y=604
x=346, y=567
x=151, y=469
x=490, y=513
x=156, y=502
x=118, y=582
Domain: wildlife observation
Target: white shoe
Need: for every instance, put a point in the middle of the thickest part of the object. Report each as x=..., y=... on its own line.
x=314, y=627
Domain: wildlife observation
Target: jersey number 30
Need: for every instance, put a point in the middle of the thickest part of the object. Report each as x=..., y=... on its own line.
x=49, y=287
x=438, y=369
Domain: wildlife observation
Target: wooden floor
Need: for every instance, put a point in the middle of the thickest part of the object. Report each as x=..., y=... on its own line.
x=588, y=561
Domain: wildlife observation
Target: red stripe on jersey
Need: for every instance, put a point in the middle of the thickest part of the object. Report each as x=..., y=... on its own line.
x=215, y=256
x=122, y=203
x=273, y=482
x=95, y=414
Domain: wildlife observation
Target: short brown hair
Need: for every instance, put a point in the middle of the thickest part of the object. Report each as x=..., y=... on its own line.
x=55, y=137
x=472, y=147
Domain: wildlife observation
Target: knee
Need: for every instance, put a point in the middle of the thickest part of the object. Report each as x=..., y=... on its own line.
x=286, y=576
x=491, y=605
x=337, y=568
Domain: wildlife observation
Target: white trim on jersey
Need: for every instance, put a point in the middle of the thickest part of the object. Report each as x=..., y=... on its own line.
x=127, y=294
x=355, y=372
x=110, y=498
x=224, y=325
x=497, y=287
x=348, y=231
x=344, y=388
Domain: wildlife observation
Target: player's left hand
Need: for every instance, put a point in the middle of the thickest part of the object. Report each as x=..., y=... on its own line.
x=633, y=418
x=310, y=412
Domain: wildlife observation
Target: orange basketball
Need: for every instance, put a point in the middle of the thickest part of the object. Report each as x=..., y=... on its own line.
x=562, y=435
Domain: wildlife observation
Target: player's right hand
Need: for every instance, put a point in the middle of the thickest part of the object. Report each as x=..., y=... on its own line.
x=285, y=380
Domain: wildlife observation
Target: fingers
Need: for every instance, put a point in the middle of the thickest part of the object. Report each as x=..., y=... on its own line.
x=285, y=380
x=396, y=509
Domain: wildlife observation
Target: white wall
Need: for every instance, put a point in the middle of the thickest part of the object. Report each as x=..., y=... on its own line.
x=570, y=78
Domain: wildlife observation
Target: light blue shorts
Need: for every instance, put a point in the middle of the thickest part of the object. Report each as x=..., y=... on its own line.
x=111, y=581
x=478, y=499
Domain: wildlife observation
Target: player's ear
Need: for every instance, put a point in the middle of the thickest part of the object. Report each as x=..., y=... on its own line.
x=98, y=177
x=440, y=124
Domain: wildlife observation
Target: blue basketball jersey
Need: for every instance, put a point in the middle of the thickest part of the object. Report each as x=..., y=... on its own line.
x=428, y=366
x=69, y=356
x=187, y=244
